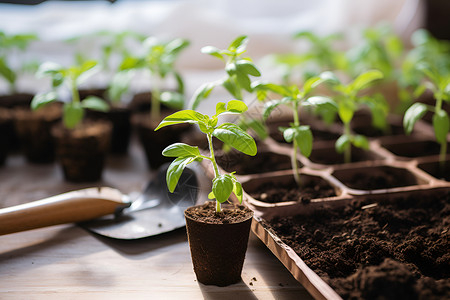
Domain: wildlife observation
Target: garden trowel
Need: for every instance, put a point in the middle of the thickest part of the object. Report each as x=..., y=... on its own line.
x=108, y=212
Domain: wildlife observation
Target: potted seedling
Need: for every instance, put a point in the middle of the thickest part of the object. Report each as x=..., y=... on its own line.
x=11, y=70
x=294, y=98
x=347, y=101
x=439, y=84
x=218, y=242
x=12, y=67
x=158, y=59
x=81, y=145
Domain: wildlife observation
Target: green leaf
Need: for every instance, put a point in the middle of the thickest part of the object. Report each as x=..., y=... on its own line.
x=304, y=139
x=222, y=187
x=7, y=72
x=235, y=137
x=239, y=44
x=412, y=114
x=173, y=100
x=441, y=125
x=40, y=100
x=269, y=107
x=183, y=116
x=232, y=86
x=322, y=102
x=276, y=88
x=95, y=103
x=243, y=80
x=212, y=51
x=73, y=114
x=342, y=143
x=237, y=190
x=361, y=141
x=236, y=106
x=202, y=93
x=247, y=67
x=87, y=70
x=366, y=78
x=220, y=108
x=175, y=170
x=48, y=69
x=119, y=85
x=181, y=150
x=346, y=111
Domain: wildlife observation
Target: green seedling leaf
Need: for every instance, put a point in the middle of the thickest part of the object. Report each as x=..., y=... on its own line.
x=6, y=72
x=237, y=190
x=269, y=107
x=41, y=100
x=181, y=150
x=346, y=111
x=304, y=139
x=441, y=125
x=48, y=69
x=203, y=92
x=220, y=108
x=361, y=141
x=95, y=103
x=236, y=106
x=247, y=67
x=183, y=116
x=412, y=115
x=235, y=137
x=322, y=103
x=175, y=170
x=87, y=70
x=222, y=187
x=239, y=44
x=212, y=51
x=232, y=86
x=366, y=78
x=73, y=114
x=342, y=143
x=119, y=85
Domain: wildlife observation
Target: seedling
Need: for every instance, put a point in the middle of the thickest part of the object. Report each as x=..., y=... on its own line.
x=223, y=185
x=72, y=76
x=439, y=84
x=294, y=98
x=347, y=102
x=159, y=60
x=9, y=44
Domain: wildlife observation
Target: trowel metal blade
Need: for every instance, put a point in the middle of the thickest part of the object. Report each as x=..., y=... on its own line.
x=165, y=217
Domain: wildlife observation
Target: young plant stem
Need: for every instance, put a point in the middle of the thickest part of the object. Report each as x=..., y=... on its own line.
x=443, y=150
x=75, y=93
x=295, y=147
x=155, y=104
x=216, y=168
x=348, y=149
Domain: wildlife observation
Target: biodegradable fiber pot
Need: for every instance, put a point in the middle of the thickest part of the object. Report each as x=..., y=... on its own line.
x=82, y=151
x=218, y=242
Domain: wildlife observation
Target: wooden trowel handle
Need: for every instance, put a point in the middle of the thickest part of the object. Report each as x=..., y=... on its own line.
x=76, y=206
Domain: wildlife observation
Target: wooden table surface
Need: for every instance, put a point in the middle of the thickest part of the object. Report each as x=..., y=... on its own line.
x=67, y=262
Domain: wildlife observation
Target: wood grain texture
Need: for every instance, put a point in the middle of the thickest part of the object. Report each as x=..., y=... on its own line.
x=66, y=262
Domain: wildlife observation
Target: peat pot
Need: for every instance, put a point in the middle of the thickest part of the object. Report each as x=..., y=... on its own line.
x=82, y=151
x=218, y=242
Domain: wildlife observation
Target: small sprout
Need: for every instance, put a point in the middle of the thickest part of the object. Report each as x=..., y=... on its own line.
x=159, y=60
x=439, y=84
x=8, y=46
x=72, y=76
x=347, y=102
x=294, y=98
x=223, y=185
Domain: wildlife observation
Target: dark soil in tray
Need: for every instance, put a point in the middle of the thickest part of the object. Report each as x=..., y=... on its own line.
x=365, y=250
x=329, y=156
x=413, y=148
x=374, y=178
x=287, y=190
